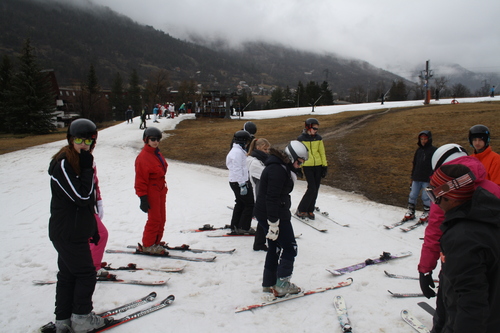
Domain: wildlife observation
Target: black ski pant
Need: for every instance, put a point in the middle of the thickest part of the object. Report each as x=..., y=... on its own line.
x=281, y=253
x=439, y=318
x=243, y=208
x=76, y=279
x=313, y=177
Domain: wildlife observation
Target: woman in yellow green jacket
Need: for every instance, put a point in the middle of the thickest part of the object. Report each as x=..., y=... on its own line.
x=313, y=169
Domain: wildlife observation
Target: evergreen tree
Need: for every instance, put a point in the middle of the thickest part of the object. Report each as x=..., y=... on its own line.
x=30, y=102
x=326, y=94
x=6, y=74
x=276, y=100
x=91, y=105
x=300, y=95
x=134, y=93
x=117, y=100
x=398, y=91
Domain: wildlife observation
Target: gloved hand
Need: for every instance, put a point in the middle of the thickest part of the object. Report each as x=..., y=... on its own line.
x=300, y=174
x=243, y=189
x=273, y=231
x=95, y=239
x=426, y=282
x=324, y=171
x=144, y=203
x=100, y=209
x=86, y=159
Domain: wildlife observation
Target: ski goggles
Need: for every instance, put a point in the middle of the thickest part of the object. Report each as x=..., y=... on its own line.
x=154, y=138
x=78, y=141
x=436, y=193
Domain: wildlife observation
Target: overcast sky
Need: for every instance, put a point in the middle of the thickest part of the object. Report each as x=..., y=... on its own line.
x=387, y=33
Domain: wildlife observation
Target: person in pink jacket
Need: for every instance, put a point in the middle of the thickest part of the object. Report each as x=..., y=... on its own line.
x=430, y=253
x=98, y=250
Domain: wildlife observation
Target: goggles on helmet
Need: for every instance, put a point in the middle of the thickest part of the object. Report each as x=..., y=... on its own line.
x=435, y=193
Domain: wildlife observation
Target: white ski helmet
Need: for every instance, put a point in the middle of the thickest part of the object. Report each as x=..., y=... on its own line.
x=295, y=150
x=447, y=153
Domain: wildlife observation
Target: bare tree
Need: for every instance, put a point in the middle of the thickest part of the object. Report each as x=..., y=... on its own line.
x=156, y=87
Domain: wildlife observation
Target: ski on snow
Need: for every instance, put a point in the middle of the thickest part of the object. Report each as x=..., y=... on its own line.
x=309, y=223
x=166, y=255
x=187, y=248
x=111, y=278
x=386, y=256
x=397, y=224
x=406, y=277
x=327, y=216
x=206, y=227
x=413, y=226
x=51, y=328
x=288, y=297
x=404, y=295
x=341, y=308
x=133, y=267
x=413, y=322
x=427, y=307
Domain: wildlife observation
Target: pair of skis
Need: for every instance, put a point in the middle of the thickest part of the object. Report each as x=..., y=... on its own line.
x=111, y=323
x=403, y=221
x=111, y=278
x=164, y=255
x=386, y=256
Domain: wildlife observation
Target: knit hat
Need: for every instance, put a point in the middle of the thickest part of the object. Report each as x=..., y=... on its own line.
x=459, y=186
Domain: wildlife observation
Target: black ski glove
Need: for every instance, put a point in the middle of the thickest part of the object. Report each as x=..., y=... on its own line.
x=96, y=238
x=324, y=170
x=144, y=203
x=300, y=174
x=86, y=159
x=426, y=282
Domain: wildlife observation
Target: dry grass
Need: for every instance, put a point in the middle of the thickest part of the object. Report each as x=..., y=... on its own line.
x=10, y=143
x=368, y=152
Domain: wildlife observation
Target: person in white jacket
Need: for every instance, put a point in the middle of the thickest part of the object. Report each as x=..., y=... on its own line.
x=258, y=152
x=239, y=182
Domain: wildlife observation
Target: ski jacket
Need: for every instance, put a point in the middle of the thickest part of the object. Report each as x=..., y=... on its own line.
x=237, y=165
x=471, y=265
x=314, y=143
x=72, y=206
x=421, y=166
x=255, y=164
x=150, y=170
x=431, y=246
x=276, y=183
x=491, y=162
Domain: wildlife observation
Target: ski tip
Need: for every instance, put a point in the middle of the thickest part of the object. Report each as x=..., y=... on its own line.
x=350, y=278
x=152, y=295
x=168, y=300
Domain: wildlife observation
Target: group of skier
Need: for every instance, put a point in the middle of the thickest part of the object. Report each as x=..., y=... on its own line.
x=460, y=196
x=262, y=178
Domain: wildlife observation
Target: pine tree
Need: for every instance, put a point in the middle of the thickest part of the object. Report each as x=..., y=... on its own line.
x=30, y=102
x=6, y=74
x=134, y=93
x=117, y=100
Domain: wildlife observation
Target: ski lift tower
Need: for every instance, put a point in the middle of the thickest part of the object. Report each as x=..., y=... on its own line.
x=425, y=75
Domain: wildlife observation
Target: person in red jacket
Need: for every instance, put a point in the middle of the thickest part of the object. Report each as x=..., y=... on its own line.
x=479, y=139
x=430, y=253
x=151, y=188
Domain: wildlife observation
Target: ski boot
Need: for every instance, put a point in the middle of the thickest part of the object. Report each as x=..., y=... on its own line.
x=425, y=215
x=410, y=214
x=87, y=322
x=283, y=287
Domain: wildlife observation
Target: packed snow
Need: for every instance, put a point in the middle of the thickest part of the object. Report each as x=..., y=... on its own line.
x=206, y=294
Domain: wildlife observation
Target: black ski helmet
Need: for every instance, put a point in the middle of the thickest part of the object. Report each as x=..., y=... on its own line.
x=250, y=127
x=310, y=122
x=151, y=131
x=82, y=128
x=479, y=131
x=242, y=137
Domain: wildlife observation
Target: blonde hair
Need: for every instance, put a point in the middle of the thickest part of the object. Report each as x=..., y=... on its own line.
x=257, y=144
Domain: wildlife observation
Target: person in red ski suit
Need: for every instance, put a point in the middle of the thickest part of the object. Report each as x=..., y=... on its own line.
x=431, y=249
x=150, y=186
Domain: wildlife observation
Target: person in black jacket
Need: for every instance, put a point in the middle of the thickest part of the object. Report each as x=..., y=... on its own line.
x=272, y=211
x=470, y=251
x=420, y=175
x=72, y=224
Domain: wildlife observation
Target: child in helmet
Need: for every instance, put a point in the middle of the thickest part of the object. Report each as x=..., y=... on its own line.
x=479, y=139
x=313, y=169
x=72, y=223
x=151, y=188
x=420, y=176
x=272, y=211
x=240, y=184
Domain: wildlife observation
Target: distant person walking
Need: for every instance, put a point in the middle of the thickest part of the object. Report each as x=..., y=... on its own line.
x=492, y=91
x=143, y=118
x=129, y=114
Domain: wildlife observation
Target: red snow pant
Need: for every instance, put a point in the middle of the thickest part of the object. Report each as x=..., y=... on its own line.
x=157, y=214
